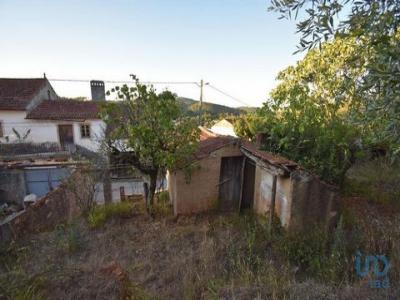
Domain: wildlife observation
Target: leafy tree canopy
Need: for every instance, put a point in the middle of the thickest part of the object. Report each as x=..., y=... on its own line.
x=313, y=115
x=149, y=129
x=372, y=27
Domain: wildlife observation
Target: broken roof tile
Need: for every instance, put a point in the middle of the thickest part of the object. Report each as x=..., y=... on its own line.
x=268, y=157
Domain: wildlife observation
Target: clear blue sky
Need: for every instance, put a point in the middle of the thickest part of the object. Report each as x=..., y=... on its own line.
x=237, y=45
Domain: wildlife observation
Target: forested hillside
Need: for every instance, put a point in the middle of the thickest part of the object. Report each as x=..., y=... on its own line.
x=191, y=107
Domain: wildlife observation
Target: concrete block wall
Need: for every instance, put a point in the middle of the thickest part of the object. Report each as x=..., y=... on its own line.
x=201, y=193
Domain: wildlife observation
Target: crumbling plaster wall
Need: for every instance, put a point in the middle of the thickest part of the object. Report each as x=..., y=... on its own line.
x=262, y=195
x=302, y=200
x=314, y=202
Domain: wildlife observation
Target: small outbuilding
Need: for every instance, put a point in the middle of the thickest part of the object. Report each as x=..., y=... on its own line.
x=233, y=175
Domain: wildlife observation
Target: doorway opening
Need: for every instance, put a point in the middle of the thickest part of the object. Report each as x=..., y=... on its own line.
x=66, y=136
x=249, y=175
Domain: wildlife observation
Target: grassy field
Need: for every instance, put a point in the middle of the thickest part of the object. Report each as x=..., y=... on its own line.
x=212, y=256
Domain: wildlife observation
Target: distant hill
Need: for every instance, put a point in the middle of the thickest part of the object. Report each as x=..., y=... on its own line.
x=191, y=108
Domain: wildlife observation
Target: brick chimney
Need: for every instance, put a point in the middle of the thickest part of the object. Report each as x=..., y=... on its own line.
x=98, y=90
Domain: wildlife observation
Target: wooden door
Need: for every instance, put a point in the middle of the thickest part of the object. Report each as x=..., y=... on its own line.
x=66, y=135
x=249, y=176
x=229, y=182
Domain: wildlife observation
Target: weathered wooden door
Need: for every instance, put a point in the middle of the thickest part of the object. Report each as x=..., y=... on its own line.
x=229, y=182
x=249, y=176
x=66, y=135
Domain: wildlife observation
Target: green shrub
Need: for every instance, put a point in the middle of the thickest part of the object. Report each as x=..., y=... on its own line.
x=100, y=214
x=163, y=197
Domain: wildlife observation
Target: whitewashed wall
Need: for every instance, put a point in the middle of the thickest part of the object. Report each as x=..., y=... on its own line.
x=47, y=131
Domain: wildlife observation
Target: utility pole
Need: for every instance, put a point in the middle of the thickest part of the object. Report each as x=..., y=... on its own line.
x=201, y=99
x=202, y=84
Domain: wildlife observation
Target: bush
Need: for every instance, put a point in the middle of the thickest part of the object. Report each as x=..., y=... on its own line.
x=163, y=197
x=100, y=214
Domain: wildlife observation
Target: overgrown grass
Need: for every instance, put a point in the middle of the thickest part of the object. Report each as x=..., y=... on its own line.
x=101, y=213
x=377, y=181
x=210, y=256
x=162, y=206
x=15, y=282
x=68, y=238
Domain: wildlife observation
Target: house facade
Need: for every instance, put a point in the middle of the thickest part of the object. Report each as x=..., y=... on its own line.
x=30, y=110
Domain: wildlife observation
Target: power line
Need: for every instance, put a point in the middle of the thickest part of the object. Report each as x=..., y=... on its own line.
x=228, y=95
x=125, y=81
x=158, y=82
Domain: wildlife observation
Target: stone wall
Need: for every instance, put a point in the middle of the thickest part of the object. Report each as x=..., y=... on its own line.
x=56, y=207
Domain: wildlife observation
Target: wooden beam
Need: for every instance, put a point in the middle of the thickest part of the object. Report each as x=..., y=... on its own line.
x=272, y=206
x=270, y=168
x=242, y=181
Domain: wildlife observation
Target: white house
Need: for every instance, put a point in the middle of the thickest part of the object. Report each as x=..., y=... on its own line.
x=31, y=108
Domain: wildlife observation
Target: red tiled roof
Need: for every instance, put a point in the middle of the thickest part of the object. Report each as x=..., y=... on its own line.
x=16, y=93
x=211, y=144
x=268, y=157
x=65, y=109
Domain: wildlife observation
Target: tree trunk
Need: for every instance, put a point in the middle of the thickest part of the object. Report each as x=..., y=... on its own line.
x=152, y=190
x=107, y=186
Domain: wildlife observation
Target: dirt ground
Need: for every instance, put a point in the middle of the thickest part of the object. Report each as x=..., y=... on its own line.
x=211, y=256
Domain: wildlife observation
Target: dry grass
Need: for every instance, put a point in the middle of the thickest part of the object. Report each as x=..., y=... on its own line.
x=377, y=180
x=209, y=256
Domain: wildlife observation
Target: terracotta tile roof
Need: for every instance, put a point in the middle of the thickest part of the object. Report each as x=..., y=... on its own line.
x=16, y=94
x=65, y=109
x=268, y=157
x=211, y=144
